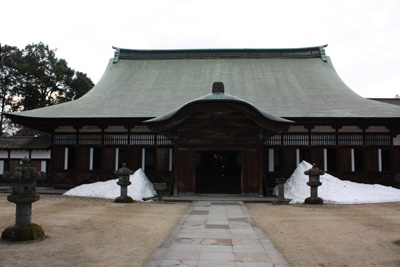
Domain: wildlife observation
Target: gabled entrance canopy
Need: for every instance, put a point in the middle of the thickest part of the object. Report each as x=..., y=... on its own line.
x=205, y=130
x=218, y=120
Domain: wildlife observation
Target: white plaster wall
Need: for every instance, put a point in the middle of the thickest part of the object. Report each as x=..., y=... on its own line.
x=19, y=154
x=116, y=129
x=297, y=129
x=140, y=129
x=350, y=129
x=3, y=154
x=90, y=129
x=43, y=165
x=66, y=129
x=396, y=140
x=271, y=162
x=323, y=129
x=377, y=129
x=1, y=166
x=40, y=154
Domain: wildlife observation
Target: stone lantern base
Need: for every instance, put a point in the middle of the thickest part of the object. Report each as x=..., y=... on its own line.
x=314, y=200
x=126, y=199
x=23, y=233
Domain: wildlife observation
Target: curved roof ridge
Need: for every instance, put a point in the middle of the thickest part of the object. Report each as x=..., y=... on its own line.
x=201, y=53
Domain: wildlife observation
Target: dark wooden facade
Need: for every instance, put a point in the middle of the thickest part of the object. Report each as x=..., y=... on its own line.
x=375, y=162
x=355, y=153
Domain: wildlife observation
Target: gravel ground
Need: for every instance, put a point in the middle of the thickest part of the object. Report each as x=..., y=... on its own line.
x=89, y=232
x=333, y=235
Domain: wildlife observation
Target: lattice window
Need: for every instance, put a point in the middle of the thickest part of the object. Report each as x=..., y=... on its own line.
x=325, y=139
x=64, y=139
x=329, y=139
x=90, y=139
x=378, y=139
x=163, y=140
x=115, y=139
x=142, y=139
x=296, y=140
x=350, y=140
x=275, y=140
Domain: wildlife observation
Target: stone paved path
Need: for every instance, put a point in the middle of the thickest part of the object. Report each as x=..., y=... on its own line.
x=216, y=233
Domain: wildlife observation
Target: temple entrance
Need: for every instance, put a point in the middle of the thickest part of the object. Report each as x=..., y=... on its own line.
x=218, y=172
x=218, y=140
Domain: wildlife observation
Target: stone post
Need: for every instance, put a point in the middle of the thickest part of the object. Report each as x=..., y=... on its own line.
x=314, y=182
x=123, y=181
x=23, y=179
x=281, y=190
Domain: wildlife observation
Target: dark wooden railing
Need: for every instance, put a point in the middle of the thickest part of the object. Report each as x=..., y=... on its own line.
x=119, y=139
x=330, y=139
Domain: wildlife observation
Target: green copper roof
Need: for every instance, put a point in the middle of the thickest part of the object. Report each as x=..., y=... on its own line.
x=143, y=84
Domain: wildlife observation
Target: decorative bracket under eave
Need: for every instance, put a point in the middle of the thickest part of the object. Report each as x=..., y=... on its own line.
x=116, y=54
x=322, y=52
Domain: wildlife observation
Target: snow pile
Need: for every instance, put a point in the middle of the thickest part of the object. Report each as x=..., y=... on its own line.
x=336, y=191
x=141, y=188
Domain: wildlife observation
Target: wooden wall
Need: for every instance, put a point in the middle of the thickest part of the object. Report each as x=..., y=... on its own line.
x=254, y=165
x=185, y=171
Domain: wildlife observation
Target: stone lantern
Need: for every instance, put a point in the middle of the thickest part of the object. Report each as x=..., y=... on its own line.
x=123, y=181
x=314, y=182
x=23, y=179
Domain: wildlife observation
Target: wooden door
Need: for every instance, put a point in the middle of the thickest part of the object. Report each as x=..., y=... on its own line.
x=185, y=171
x=250, y=172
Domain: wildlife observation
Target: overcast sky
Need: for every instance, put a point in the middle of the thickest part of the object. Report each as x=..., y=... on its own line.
x=363, y=35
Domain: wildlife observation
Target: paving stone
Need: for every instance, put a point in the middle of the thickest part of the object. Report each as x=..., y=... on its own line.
x=216, y=256
x=192, y=225
x=177, y=263
x=244, y=236
x=249, y=248
x=217, y=226
x=182, y=255
x=217, y=241
x=248, y=231
x=225, y=203
x=190, y=241
x=216, y=234
x=252, y=257
x=217, y=264
x=216, y=248
x=240, y=226
x=197, y=219
x=204, y=235
x=185, y=247
x=217, y=221
x=199, y=212
x=237, y=218
x=255, y=264
x=246, y=242
x=205, y=231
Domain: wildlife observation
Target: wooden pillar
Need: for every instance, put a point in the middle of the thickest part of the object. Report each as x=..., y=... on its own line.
x=261, y=162
x=176, y=170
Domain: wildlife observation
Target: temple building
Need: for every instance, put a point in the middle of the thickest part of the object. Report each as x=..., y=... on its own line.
x=226, y=121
